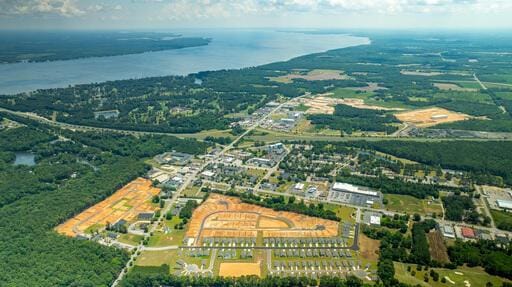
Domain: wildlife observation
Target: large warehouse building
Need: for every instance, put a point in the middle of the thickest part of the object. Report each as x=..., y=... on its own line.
x=353, y=194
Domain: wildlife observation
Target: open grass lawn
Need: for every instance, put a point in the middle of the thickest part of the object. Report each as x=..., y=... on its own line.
x=468, y=84
x=169, y=257
x=201, y=135
x=503, y=220
x=504, y=95
x=131, y=239
x=411, y=205
x=94, y=228
x=497, y=78
x=256, y=172
x=475, y=276
x=344, y=212
x=192, y=191
x=159, y=239
x=464, y=96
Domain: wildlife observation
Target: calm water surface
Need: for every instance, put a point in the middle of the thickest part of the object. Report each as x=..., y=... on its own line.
x=229, y=49
x=25, y=158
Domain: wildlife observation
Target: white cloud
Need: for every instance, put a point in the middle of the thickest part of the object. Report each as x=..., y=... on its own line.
x=67, y=8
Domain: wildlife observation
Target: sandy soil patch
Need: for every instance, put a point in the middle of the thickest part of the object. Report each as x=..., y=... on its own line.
x=420, y=73
x=239, y=269
x=224, y=216
x=368, y=248
x=126, y=203
x=267, y=222
x=313, y=75
x=325, y=104
x=430, y=117
x=452, y=87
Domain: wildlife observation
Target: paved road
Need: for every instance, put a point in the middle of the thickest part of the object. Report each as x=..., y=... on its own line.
x=187, y=181
x=485, y=206
x=479, y=82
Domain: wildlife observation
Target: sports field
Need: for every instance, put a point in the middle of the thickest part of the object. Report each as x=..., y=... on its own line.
x=126, y=203
x=224, y=216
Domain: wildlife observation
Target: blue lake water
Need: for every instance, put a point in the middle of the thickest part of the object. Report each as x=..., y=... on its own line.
x=229, y=49
x=25, y=158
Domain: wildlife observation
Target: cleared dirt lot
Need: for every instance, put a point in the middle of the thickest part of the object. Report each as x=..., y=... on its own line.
x=369, y=248
x=239, y=269
x=437, y=248
x=313, y=75
x=324, y=104
x=126, y=203
x=224, y=216
x=430, y=117
x=452, y=87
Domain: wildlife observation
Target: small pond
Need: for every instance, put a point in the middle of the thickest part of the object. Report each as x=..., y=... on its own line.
x=25, y=158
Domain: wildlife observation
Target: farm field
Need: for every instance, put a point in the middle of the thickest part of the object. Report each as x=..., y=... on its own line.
x=223, y=216
x=411, y=205
x=430, y=117
x=126, y=203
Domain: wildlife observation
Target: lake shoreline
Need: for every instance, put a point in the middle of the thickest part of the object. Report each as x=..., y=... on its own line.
x=245, y=49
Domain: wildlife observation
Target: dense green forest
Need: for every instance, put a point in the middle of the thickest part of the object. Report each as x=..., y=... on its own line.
x=393, y=186
x=140, y=279
x=42, y=46
x=489, y=157
x=348, y=119
x=495, y=260
x=462, y=208
x=70, y=175
x=183, y=105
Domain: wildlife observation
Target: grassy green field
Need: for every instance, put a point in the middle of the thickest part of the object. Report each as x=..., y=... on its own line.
x=504, y=95
x=411, y=205
x=174, y=237
x=344, y=212
x=349, y=93
x=193, y=191
x=476, y=97
x=475, y=276
x=169, y=257
x=130, y=239
x=501, y=218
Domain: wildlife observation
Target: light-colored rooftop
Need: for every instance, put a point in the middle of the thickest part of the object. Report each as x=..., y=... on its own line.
x=506, y=204
x=347, y=187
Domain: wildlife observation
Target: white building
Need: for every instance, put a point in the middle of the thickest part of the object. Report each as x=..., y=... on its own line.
x=505, y=204
x=448, y=231
x=298, y=187
x=347, y=187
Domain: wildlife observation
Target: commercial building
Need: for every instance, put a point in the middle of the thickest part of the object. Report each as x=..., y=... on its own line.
x=505, y=204
x=468, y=232
x=177, y=158
x=352, y=194
x=448, y=231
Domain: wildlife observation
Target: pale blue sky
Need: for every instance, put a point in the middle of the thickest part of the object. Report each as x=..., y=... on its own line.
x=168, y=14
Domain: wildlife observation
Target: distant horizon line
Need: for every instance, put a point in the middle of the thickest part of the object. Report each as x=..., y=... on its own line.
x=282, y=29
